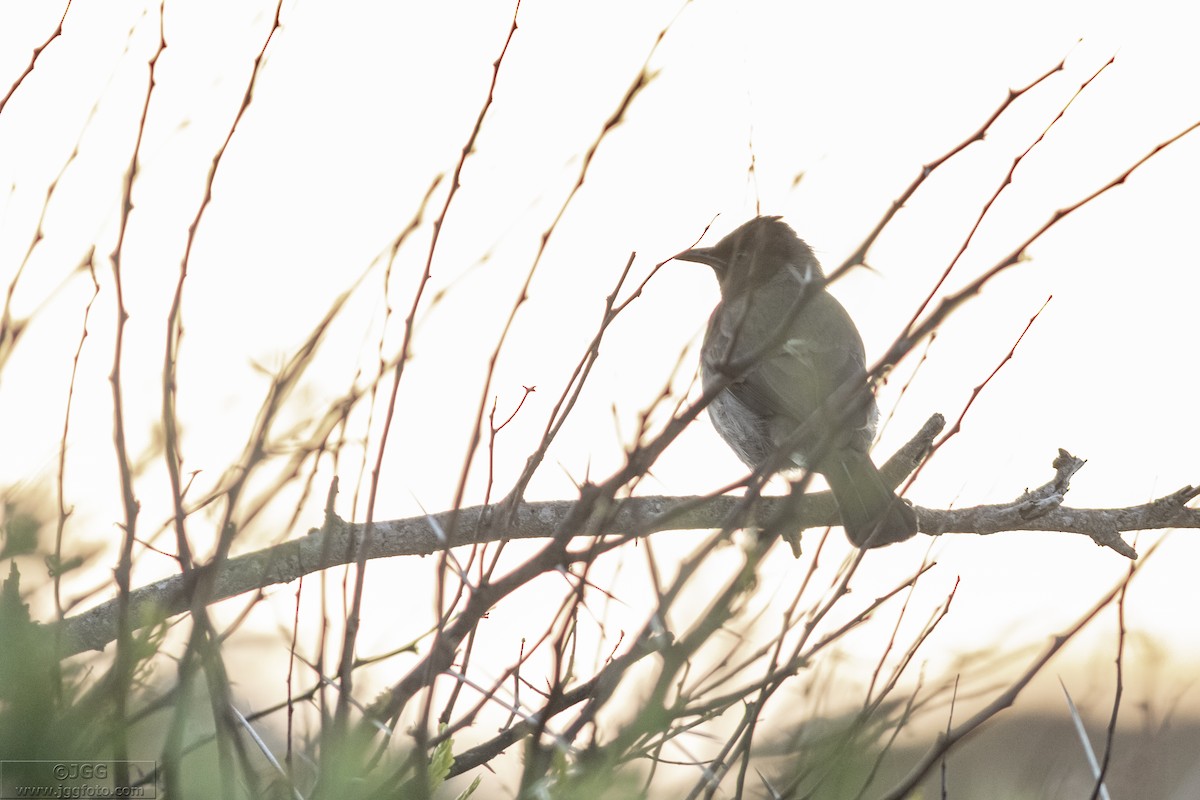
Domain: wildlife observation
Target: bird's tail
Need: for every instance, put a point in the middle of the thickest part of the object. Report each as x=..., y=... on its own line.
x=872, y=514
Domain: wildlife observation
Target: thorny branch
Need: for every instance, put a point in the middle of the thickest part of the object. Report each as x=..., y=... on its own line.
x=1005, y=699
x=338, y=542
x=599, y=521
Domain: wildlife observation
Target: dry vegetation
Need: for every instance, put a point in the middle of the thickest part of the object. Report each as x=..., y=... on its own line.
x=680, y=706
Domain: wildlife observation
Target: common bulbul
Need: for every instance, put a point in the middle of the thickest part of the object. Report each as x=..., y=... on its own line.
x=797, y=373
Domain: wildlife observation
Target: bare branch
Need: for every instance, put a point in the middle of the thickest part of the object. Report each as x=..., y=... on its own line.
x=37, y=51
x=859, y=256
x=338, y=542
x=952, y=737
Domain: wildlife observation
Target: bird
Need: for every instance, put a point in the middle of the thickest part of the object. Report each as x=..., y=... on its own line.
x=795, y=369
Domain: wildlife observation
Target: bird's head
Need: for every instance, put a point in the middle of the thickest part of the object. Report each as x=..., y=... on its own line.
x=754, y=253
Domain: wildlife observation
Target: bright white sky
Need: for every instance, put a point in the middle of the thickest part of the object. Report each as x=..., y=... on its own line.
x=360, y=104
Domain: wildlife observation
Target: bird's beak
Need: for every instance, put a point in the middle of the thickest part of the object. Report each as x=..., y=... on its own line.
x=702, y=255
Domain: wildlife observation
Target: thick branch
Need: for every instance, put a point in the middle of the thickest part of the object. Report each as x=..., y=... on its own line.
x=335, y=544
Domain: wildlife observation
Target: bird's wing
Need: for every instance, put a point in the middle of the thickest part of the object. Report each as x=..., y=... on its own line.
x=820, y=353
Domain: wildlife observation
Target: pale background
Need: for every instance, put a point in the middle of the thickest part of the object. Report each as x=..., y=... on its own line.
x=360, y=105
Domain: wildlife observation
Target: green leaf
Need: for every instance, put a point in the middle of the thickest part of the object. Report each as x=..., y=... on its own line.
x=441, y=761
x=470, y=789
